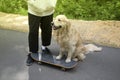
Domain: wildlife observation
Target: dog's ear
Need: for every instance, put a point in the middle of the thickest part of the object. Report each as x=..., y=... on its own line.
x=68, y=23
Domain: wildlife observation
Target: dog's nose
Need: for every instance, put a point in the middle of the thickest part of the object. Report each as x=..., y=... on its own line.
x=52, y=23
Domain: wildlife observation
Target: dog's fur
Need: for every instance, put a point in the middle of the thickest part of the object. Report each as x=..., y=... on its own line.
x=69, y=39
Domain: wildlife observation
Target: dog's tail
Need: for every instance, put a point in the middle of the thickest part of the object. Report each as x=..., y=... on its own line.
x=92, y=48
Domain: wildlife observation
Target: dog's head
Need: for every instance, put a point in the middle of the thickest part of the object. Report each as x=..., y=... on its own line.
x=60, y=21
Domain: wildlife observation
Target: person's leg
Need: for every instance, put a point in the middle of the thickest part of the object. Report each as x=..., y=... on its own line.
x=46, y=30
x=33, y=37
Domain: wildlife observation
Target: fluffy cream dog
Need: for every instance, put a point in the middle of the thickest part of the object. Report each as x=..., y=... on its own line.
x=69, y=40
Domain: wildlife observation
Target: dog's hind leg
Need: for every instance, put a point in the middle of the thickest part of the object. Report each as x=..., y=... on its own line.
x=81, y=56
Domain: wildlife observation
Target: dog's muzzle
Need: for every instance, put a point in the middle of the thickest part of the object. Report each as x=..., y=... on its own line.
x=55, y=27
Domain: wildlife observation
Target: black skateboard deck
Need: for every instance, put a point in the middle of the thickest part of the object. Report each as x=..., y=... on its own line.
x=48, y=58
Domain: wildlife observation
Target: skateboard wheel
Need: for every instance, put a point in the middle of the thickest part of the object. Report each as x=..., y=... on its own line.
x=39, y=63
x=63, y=69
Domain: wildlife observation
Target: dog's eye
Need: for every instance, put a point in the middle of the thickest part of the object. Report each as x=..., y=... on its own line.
x=60, y=26
x=59, y=19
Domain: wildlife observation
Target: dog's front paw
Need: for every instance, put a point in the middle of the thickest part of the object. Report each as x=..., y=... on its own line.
x=58, y=57
x=68, y=60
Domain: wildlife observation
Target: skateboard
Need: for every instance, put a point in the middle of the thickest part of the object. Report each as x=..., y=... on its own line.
x=49, y=58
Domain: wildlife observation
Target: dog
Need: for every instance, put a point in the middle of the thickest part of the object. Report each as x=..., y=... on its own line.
x=69, y=40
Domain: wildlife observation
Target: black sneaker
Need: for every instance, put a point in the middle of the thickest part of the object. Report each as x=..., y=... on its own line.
x=29, y=61
x=46, y=50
